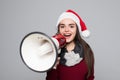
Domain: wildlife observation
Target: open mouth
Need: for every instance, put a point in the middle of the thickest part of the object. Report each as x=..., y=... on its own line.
x=67, y=35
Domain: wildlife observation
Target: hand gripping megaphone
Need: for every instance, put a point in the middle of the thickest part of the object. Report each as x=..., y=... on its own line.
x=39, y=52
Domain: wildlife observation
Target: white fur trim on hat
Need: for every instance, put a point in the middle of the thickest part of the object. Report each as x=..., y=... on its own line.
x=69, y=15
x=85, y=33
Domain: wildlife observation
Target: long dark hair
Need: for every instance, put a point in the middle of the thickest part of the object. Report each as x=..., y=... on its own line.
x=88, y=53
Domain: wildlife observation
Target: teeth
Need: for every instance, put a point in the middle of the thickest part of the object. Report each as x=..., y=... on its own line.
x=67, y=34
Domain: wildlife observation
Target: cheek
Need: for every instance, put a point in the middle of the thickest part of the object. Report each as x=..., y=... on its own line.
x=73, y=31
x=73, y=36
x=61, y=31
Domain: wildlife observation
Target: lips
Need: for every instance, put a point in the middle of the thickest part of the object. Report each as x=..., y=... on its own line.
x=67, y=35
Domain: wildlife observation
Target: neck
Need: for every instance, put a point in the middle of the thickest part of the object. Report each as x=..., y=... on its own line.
x=70, y=46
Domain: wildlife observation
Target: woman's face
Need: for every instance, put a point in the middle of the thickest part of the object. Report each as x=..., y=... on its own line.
x=67, y=28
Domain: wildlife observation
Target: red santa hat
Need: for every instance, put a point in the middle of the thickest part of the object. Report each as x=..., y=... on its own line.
x=75, y=17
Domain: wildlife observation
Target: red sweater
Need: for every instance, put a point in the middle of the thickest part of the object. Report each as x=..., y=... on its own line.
x=77, y=72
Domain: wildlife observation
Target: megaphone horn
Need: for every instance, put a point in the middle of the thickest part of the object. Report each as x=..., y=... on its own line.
x=39, y=51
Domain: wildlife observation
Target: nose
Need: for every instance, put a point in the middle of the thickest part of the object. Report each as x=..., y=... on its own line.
x=66, y=29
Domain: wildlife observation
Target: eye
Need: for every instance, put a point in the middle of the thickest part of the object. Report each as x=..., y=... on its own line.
x=72, y=26
x=61, y=26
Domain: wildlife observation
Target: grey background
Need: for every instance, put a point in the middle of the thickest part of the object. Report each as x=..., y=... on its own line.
x=19, y=17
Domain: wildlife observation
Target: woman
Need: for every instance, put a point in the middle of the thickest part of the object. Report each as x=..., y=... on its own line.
x=76, y=57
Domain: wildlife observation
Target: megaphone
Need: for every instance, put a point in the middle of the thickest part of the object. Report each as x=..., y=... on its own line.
x=39, y=52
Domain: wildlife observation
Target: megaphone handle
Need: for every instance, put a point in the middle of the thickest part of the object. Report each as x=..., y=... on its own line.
x=57, y=63
x=61, y=39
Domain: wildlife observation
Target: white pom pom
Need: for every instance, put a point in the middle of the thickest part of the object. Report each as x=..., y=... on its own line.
x=86, y=33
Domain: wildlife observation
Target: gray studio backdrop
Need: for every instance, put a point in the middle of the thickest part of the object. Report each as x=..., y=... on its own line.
x=19, y=17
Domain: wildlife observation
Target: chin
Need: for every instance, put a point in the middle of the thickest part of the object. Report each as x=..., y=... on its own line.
x=68, y=41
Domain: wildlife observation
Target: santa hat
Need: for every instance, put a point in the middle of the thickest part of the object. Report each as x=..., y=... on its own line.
x=75, y=17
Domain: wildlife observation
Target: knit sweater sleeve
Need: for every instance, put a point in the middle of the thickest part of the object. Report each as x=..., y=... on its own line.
x=52, y=75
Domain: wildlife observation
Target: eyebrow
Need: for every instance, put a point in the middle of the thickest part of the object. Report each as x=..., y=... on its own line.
x=69, y=24
x=72, y=24
x=61, y=24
